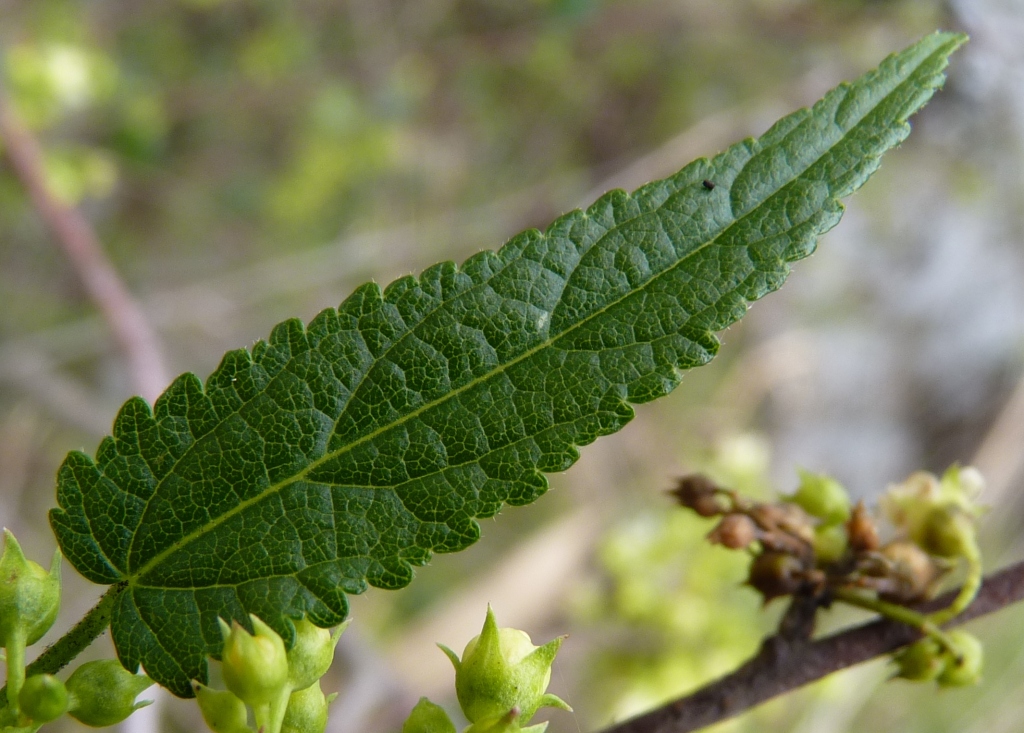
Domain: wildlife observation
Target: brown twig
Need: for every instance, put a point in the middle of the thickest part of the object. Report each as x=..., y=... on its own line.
x=785, y=663
x=76, y=237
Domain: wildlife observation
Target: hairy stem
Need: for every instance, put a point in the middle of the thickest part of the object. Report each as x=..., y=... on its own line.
x=785, y=663
x=59, y=654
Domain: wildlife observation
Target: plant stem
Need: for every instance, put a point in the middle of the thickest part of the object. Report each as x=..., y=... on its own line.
x=972, y=583
x=785, y=664
x=15, y=668
x=277, y=710
x=56, y=656
x=915, y=619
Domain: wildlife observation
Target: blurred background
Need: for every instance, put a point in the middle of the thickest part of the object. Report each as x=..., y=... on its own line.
x=244, y=161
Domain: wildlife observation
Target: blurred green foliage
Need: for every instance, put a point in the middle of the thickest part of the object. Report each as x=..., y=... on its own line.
x=212, y=132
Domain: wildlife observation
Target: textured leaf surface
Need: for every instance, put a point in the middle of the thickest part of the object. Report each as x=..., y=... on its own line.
x=346, y=452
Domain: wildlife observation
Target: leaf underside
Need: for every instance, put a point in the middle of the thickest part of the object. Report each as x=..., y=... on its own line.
x=346, y=452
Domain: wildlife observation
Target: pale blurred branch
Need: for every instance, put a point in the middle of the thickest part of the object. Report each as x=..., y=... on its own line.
x=75, y=235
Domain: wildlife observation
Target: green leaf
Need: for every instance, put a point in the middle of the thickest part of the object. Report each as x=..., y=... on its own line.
x=344, y=453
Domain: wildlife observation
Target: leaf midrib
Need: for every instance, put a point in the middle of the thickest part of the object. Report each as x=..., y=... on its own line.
x=547, y=343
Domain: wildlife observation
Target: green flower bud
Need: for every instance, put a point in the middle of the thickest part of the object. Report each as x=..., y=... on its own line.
x=307, y=711
x=29, y=602
x=221, y=709
x=43, y=698
x=502, y=670
x=829, y=543
x=255, y=667
x=312, y=653
x=103, y=693
x=964, y=667
x=921, y=661
x=823, y=497
x=427, y=717
x=948, y=531
x=29, y=596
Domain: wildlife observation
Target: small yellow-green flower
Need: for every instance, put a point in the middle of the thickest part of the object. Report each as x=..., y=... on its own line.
x=938, y=514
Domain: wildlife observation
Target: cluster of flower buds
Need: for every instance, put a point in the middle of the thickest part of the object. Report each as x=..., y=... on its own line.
x=501, y=681
x=816, y=543
x=281, y=687
x=99, y=693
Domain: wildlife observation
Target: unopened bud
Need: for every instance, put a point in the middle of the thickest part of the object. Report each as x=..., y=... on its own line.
x=306, y=711
x=700, y=494
x=500, y=670
x=964, y=666
x=949, y=532
x=789, y=518
x=103, y=693
x=29, y=595
x=823, y=497
x=735, y=531
x=29, y=601
x=43, y=698
x=427, y=717
x=255, y=666
x=221, y=709
x=921, y=661
x=830, y=543
x=775, y=574
x=312, y=653
x=861, y=530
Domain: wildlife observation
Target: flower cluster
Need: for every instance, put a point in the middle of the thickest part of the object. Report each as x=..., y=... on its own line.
x=281, y=687
x=501, y=681
x=98, y=693
x=816, y=543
